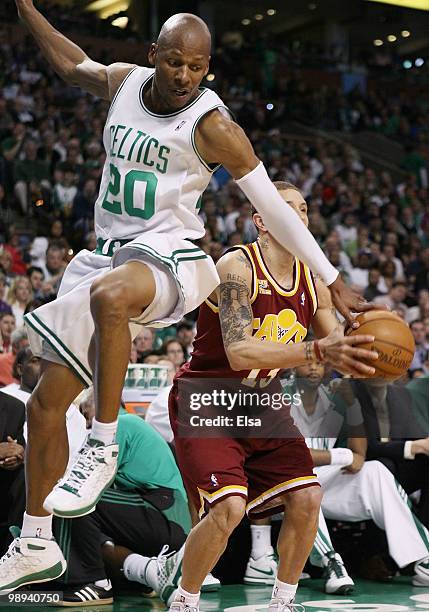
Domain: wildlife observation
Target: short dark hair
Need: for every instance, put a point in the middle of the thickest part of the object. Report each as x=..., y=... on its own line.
x=32, y=269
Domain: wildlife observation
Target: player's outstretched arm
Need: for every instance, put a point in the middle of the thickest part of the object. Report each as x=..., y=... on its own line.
x=221, y=140
x=68, y=60
x=245, y=352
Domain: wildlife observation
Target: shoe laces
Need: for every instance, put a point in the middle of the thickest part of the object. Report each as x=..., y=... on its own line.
x=88, y=458
x=336, y=567
x=163, y=565
x=14, y=555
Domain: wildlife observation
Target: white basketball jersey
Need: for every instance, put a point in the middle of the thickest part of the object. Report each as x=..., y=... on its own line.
x=153, y=177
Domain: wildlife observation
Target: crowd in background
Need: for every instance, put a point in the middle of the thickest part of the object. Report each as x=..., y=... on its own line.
x=373, y=225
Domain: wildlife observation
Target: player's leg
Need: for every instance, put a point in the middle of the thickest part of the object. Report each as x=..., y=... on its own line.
x=118, y=296
x=37, y=557
x=337, y=579
x=296, y=538
x=115, y=297
x=204, y=546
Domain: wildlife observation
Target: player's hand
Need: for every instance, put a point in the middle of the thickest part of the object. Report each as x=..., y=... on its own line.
x=356, y=466
x=347, y=300
x=420, y=447
x=10, y=449
x=345, y=355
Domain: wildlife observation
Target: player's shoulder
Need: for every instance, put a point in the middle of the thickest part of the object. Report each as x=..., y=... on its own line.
x=217, y=123
x=117, y=73
x=235, y=264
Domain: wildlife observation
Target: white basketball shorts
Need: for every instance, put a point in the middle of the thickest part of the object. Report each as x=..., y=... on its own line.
x=184, y=276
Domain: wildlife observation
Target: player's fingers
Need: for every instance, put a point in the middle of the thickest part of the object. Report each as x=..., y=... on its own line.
x=357, y=368
x=358, y=339
x=360, y=354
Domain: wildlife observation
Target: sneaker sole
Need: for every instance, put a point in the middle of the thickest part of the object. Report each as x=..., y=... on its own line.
x=267, y=581
x=418, y=582
x=345, y=589
x=82, y=604
x=56, y=571
x=78, y=512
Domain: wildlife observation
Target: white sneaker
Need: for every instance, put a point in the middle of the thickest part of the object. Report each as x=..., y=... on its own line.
x=30, y=560
x=421, y=576
x=280, y=605
x=262, y=570
x=210, y=584
x=178, y=606
x=78, y=492
x=337, y=579
x=169, y=573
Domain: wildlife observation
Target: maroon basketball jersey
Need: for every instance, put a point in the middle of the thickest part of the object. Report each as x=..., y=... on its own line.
x=279, y=314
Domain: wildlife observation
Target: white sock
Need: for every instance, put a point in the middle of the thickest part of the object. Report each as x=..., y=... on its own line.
x=190, y=599
x=104, y=432
x=261, y=540
x=37, y=527
x=136, y=568
x=285, y=591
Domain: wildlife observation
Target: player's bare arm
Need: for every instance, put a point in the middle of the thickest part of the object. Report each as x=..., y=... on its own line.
x=220, y=140
x=245, y=352
x=68, y=60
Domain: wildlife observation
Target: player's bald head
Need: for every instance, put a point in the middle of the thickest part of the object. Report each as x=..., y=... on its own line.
x=185, y=30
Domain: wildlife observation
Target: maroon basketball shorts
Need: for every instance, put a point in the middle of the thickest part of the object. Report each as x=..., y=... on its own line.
x=258, y=469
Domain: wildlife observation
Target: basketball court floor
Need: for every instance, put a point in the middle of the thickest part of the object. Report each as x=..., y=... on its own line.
x=397, y=596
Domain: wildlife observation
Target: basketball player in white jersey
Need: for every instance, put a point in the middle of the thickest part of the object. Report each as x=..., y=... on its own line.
x=164, y=135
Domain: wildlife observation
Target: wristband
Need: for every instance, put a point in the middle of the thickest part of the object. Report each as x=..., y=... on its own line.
x=318, y=352
x=341, y=456
x=408, y=451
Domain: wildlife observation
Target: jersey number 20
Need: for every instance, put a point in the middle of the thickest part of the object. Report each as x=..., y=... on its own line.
x=131, y=178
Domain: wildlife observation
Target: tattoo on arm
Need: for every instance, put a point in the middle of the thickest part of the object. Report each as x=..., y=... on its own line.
x=244, y=260
x=235, y=311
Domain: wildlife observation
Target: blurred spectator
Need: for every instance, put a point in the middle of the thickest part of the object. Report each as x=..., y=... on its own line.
x=396, y=438
x=7, y=326
x=395, y=299
x=144, y=341
x=174, y=351
x=422, y=344
x=36, y=277
x=55, y=265
x=185, y=334
x=19, y=295
x=12, y=483
x=18, y=341
x=4, y=306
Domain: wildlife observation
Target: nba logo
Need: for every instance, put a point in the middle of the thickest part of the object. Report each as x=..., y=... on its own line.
x=181, y=124
x=38, y=532
x=214, y=480
x=302, y=298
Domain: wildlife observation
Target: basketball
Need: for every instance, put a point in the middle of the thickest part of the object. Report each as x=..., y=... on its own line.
x=393, y=342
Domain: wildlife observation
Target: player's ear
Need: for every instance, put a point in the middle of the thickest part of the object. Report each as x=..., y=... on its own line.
x=257, y=220
x=152, y=54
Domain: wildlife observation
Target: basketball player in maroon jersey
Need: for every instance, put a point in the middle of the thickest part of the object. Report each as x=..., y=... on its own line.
x=252, y=327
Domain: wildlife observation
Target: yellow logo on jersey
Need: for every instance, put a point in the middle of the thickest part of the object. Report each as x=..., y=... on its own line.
x=282, y=327
x=263, y=286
